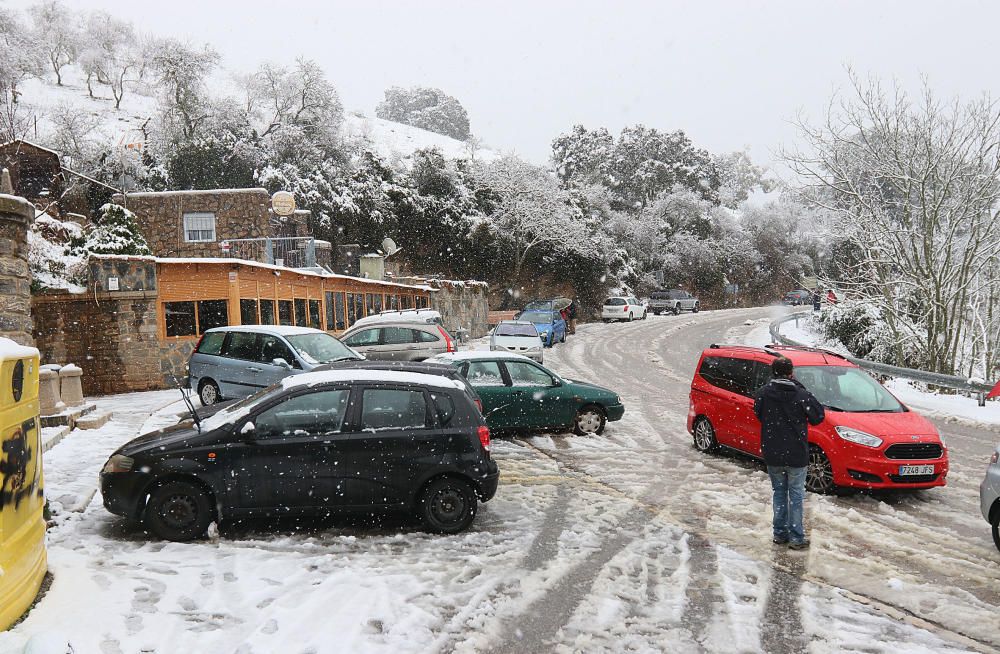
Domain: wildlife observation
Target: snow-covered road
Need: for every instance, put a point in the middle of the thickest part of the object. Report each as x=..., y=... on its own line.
x=628, y=542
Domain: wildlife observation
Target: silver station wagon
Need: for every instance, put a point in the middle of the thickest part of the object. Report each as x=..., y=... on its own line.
x=234, y=362
x=399, y=341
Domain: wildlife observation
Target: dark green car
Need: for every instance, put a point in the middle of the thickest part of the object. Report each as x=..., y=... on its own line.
x=519, y=394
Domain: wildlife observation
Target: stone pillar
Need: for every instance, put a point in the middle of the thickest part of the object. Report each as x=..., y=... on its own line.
x=48, y=392
x=71, y=385
x=16, y=214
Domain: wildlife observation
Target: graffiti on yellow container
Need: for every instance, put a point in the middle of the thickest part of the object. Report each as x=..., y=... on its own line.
x=22, y=502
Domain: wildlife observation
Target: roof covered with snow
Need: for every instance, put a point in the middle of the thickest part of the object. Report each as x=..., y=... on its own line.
x=280, y=330
x=363, y=375
x=478, y=355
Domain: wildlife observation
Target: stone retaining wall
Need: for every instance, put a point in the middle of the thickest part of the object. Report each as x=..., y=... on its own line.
x=15, y=280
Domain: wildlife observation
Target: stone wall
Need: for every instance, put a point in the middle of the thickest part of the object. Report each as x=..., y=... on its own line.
x=113, y=339
x=15, y=280
x=239, y=213
x=130, y=273
x=463, y=305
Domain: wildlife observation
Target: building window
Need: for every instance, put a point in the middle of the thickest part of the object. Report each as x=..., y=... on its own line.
x=405, y=301
x=192, y=318
x=248, y=312
x=267, y=312
x=393, y=302
x=179, y=318
x=301, y=319
x=199, y=227
x=212, y=313
x=285, y=312
x=314, y=312
x=422, y=302
x=338, y=299
x=352, y=311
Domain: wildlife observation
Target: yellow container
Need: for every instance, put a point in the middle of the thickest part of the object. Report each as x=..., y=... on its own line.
x=22, y=524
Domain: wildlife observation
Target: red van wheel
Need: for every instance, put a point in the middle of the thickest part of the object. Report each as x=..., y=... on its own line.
x=704, y=436
x=819, y=473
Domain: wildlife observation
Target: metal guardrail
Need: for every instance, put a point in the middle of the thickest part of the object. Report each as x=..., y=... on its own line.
x=291, y=252
x=937, y=379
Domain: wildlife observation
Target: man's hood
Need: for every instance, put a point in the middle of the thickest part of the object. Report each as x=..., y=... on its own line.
x=781, y=389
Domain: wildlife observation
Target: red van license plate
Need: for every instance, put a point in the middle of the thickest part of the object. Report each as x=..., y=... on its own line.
x=916, y=470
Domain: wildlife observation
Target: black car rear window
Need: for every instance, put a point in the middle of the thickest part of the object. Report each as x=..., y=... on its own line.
x=730, y=374
x=212, y=343
x=614, y=302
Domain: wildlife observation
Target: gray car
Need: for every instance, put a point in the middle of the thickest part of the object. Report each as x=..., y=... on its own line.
x=674, y=301
x=234, y=362
x=519, y=337
x=399, y=341
x=989, y=495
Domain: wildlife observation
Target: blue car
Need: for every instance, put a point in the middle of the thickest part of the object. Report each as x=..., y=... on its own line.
x=550, y=325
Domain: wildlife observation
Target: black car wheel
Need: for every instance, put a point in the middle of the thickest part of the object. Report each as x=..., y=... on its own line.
x=209, y=393
x=178, y=510
x=704, y=436
x=677, y=309
x=696, y=308
x=447, y=505
x=590, y=420
x=996, y=529
x=819, y=474
x=656, y=313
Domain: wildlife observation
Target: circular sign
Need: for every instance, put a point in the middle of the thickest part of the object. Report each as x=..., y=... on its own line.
x=283, y=203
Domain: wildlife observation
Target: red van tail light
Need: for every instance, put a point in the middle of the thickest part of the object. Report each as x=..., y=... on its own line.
x=484, y=437
x=196, y=347
x=450, y=344
x=625, y=309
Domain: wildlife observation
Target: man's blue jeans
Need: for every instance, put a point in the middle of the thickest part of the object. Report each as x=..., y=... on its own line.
x=789, y=485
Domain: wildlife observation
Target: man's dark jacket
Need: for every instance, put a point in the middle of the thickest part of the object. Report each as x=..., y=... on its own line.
x=784, y=406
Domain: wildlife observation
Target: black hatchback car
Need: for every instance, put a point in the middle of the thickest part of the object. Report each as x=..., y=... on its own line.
x=318, y=443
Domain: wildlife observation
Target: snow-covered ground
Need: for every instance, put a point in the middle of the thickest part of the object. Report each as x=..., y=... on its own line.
x=626, y=542
x=948, y=406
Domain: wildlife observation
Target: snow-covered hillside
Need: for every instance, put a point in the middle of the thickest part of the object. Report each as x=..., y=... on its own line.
x=113, y=128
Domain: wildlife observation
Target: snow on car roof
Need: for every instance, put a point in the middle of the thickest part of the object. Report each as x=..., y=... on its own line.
x=280, y=330
x=515, y=322
x=476, y=355
x=356, y=375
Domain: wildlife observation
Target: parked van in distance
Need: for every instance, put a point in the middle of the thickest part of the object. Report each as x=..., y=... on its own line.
x=234, y=362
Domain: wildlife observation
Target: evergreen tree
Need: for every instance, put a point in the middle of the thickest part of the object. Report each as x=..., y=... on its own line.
x=115, y=231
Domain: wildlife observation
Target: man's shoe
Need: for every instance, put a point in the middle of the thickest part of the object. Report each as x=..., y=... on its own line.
x=779, y=541
x=802, y=545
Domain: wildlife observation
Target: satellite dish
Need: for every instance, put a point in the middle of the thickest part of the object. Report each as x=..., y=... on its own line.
x=389, y=246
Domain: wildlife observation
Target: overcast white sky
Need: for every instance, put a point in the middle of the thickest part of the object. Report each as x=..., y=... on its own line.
x=731, y=74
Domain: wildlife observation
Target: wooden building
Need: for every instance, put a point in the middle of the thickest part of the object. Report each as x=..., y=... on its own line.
x=141, y=317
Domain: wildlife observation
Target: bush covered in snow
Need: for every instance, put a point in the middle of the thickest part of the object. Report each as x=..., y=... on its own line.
x=115, y=231
x=860, y=326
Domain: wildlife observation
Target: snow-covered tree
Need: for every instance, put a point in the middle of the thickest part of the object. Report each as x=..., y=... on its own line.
x=915, y=186
x=638, y=166
x=57, y=33
x=739, y=177
x=181, y=70
x=115, y=231
x=21, y=57
x=427, y=108
x=527, y=209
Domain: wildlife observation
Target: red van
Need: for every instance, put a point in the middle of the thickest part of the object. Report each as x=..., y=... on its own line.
x=869, y=438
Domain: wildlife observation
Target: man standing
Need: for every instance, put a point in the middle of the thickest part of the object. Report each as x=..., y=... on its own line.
x=571, y=311
x=784, y=408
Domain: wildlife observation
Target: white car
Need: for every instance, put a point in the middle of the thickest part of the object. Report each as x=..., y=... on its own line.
x=517, y=336
x=623, y=307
